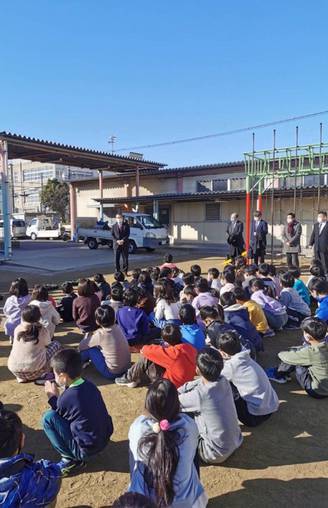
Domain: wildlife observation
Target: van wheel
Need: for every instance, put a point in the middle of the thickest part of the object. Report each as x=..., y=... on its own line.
x=92, y=243
x=132, y=247
x=33, y=236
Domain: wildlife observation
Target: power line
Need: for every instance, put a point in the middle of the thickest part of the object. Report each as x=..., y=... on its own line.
x=224, y=133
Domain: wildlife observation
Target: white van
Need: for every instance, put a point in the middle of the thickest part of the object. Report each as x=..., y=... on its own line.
x=17, y=228
x=145, y=232
x=44, y=228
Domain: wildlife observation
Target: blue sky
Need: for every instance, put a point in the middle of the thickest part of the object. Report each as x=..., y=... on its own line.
x=78, y=71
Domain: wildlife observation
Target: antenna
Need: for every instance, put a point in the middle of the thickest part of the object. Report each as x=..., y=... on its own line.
x=112, y=141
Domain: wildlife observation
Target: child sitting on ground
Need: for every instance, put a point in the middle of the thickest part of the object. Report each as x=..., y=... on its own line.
x=297, y=309
x=196, y=271
x=116, y=298
x=119, y=278
x=237, y=317
x=275, y=278
x=102, y=286
x=187, y=295
x=107, y=348
x=49, y=316
x=135, y=278
x=213, y=318
x=15, y=304
x=319, y=291
x=84, y=307
x=255, y=312
x=204, y=297
x=32, y=348
x=209, y=398
x=250, y=275
x=163, y=443
x=310, y=361
x=275, y=313
x=78, y=425
x=213, y=277
x=146, y=301
x=263, y=272
x=145, y=282
x=316, y=271
x=228, y=280
x=191, y=332
x=300, y=286
x=133, y=500
x=166, y=307
x=23, y=481
x=174, y=360
x=254, y=397
x=168, y=262
x=65, y=306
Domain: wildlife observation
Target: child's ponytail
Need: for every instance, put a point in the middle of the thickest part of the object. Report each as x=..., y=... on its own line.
x=31, y=315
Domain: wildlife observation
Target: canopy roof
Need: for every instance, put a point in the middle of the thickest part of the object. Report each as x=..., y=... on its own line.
x=22, y=147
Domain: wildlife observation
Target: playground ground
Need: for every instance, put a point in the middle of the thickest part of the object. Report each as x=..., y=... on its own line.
x=282, y=463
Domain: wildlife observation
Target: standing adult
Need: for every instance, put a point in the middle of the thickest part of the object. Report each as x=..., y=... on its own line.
x=235, y=236
x=319, y=240
x=292, y=240
x=259, y=231
x=121, y=233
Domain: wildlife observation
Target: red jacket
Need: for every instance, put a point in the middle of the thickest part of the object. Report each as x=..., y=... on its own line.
x=178, y=361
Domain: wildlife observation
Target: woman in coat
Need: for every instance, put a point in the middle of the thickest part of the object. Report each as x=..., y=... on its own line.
x=292, y=240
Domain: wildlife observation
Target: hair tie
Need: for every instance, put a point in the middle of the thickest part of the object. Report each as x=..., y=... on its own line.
x=164, y=425
x=156, y=428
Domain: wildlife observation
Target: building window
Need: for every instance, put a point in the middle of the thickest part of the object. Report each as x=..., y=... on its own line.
x=204, y=186
x=220, y=185
x=212, y=211
x=237, y=184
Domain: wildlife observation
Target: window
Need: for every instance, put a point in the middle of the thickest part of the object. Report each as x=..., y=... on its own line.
x=237, y=184
x=212, y=211
x=204, y=186
x=220, y=185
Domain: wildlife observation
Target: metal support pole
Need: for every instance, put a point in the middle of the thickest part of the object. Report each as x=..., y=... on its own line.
x=137, y=188
x=320, y=168
x=248, y=212
x=101, y=192
x=272, y=191
x=296, y=169
x=72, y=203
x=155, y=209
x=5, y=201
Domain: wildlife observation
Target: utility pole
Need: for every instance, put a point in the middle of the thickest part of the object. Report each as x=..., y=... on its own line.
x=12, y=188
x=112, y=141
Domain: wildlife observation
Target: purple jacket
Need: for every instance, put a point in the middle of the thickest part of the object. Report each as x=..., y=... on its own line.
x=13, y=311
x=267, y=303
x=134, y=323
x=204, y=299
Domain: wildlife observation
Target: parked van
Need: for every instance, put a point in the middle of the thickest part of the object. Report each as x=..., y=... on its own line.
x=44, y=227
x=17, y=228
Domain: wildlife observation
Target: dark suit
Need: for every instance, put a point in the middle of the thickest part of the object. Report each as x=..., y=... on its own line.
x=320, y=243
x=121, y=233
x=259, y=233
x=235, y=238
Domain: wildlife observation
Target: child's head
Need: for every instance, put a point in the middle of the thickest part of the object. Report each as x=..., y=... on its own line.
x=67, y=366
x=164, y=290
x=209, y=314
x=227, y=299
x=85, y=287
x=135, y=274
x=116, y=293
x=67, y=288
x=119, y=276
x=18, y=288
x=196, y=270
x=240, y=262
x=11, y=434
x=229, y=276
x=144, y=278
x=159, y=448
x=272, y=270
x=287, y=280
x=209, y=364
x=318, y=288
x=314, y=329
x=165, y=273
x=296, y=272
x=264, y=269
x=257, y=285
x=240, y=295
x=168, y=258
x=228, y=344
x=40, y=293
x=171, y=334
x=133, y=500
x=31, y=315
x=188, y=279
x=187, y=314
x=99, y=278
x=155, y=273
x=213, y=273
x=201, y=286
x=189, y=293
x=317, y=270
x=105, y=316
x=250, y=271
x=130, y=297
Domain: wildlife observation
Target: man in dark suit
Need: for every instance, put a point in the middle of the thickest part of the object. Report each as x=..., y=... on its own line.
x=121, y=233
x=235, y=236
x=319, y=240
x=259, y=231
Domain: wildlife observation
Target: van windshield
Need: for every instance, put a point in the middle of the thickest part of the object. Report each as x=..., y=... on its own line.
x=150, y=222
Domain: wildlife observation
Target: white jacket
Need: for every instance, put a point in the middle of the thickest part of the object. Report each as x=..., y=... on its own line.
x=49, y=316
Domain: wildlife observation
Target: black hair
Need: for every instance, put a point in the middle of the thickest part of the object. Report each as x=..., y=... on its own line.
x=229, y=343
x=171, y=334
x=272, y=270
x=320, y=286
x=202, y=285
x=189, y=290
x=168, y=258
x=240, y=262
x=251, y=269
x=317, y=270
x=99, y=278
x=160, y=450
x=164, y=290
x=105, y=316
x=188, y=279
x=135, y=273
x=322, y=213
x=31, y=315
x=19, y=288
x=117, y=292
x=11, y=431
x=165, y=272
x=196, y=270
x=257, y=284
x=258, y=213
x=296, y=272
x=67, y=361
x=209, y=363
x=215, y=313
x=214, y=272
x=291, y=214
x=155, y=273
x=240, y=294
x=315, y=327
x=287, y=280
x=227, y=299
x=187, y=314
x=40, y=293
x=264, y=269
x=144, y=278
x=133, y=500
x=229, y=276
x=130, y=297
x=67, y=288
x=85, y=287
x=119, y=276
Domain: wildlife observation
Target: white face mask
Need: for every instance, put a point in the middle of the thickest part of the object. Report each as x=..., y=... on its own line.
x=289, y=221
x=233, y=218
x=119, y=221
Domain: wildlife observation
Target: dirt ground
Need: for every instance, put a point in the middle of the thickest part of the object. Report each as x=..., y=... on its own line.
x=282, y=463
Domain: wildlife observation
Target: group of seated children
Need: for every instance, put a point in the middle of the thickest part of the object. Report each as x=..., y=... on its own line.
x=184, y=326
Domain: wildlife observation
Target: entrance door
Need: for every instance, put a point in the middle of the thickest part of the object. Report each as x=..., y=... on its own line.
x=164, y=215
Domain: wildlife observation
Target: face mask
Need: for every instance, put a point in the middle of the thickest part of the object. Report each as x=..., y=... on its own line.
x=289, y=221
x=119, y=221
x=233, y=219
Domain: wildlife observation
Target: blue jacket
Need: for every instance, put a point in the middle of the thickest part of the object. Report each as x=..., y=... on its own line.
x=28, y=484
x=134, y=323
x=216, y=328
x=237, y=316
x=322, y=310
x=194, y=335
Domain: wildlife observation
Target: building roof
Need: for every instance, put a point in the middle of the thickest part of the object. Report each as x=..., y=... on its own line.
x=22, y=147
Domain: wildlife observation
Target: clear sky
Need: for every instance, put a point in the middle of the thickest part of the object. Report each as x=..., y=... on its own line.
x=146, y=71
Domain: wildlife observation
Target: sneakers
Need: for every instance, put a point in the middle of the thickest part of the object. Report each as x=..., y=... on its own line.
x=69, y=466
x=49, y=376
x=86, y=364
x=269, y=333
x=123, y=381
x=277, y=377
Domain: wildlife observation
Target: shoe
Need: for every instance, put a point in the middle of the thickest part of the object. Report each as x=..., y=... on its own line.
x=273, y=375
x=269, y=333
x=86, y=364
x=69, y=466
x=49, y=376
x=123, y=381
